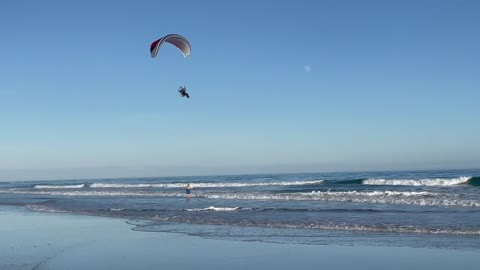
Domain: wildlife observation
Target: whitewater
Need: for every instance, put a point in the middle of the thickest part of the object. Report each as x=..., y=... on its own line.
x=423, y=208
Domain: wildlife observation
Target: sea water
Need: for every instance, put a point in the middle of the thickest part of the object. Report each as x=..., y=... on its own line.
x=434, y=209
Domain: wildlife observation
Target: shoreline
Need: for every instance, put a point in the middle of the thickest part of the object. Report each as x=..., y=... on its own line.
x=35, y=240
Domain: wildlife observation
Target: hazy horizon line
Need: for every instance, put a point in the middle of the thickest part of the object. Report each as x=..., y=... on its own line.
x=146, y=176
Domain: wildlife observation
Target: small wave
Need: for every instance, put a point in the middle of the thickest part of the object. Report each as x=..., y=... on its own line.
x=138, y=210
x=44, y=208
x=376, y=193
x=474, y=181
x=213, y=208
x=374, y=197
x=97, y=193
x=380, y=228
x=59, y=186
x=387, y=228
x=350, y=182
x=417, y=182
x=230, y=209
x=422, y=198
x=116, y=209
x=205, y=185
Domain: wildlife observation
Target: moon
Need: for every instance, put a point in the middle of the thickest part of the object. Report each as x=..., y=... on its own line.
x=307, y=68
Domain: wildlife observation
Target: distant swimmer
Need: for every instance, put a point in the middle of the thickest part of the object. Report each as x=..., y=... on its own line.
x=183, y=91
x=188, y=191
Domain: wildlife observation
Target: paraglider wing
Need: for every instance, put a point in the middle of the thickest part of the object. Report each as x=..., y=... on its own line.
x=177, y=40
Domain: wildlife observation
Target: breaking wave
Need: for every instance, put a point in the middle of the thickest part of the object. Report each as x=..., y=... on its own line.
x=206, y=185
x=59, y=186
x=213, y=208
x=417, y=182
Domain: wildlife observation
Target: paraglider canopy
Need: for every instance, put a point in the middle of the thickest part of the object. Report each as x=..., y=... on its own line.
x=177, y=40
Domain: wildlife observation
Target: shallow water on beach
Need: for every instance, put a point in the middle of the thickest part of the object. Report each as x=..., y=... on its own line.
x=438, y=209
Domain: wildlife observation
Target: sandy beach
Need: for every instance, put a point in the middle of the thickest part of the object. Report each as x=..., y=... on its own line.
x=32, y=240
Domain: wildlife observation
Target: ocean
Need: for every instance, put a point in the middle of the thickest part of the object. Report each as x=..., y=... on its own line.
x=427, y=209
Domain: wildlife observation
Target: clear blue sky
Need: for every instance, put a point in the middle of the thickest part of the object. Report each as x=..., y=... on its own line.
x=276, y=86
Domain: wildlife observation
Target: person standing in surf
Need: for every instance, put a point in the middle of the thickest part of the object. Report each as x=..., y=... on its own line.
x=188, y=190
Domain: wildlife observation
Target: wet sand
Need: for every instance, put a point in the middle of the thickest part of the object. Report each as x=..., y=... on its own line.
x=32, y=240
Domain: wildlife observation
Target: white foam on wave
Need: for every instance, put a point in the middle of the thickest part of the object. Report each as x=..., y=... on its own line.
x=213, y=208
x=59, y=186
x=94, y=193
x=206, y=185
x=374, y=193
x=417, y=182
